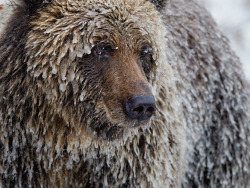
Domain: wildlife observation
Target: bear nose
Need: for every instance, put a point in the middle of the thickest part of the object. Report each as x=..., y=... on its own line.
x=140, y=107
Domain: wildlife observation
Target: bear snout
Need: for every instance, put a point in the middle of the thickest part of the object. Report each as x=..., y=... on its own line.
x=140, y=107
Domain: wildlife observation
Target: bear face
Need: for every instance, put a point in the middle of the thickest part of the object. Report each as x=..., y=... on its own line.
x=105, y=57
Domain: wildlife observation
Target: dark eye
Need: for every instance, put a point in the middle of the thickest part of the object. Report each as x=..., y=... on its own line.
x=102, y=52
x=145, y=52
x=146, y=59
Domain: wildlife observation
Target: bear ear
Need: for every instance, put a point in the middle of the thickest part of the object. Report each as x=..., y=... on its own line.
x=159, y=4
x=33, y=5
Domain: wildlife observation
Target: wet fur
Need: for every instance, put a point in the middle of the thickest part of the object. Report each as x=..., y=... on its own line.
x=64, y=132
x=59, y=103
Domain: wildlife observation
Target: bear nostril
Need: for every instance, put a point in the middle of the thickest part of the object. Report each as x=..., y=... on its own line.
x=140, y=107
x=138, y=110
x=150, y=111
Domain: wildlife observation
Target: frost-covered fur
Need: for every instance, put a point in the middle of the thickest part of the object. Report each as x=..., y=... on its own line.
x=55, y=128
x=53, y=121
x=214, y=95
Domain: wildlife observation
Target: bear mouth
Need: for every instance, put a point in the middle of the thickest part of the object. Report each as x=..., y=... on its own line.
x=110, y=131
x=111, y=128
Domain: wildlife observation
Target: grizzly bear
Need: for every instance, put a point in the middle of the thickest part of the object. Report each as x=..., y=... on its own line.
x=120, y=93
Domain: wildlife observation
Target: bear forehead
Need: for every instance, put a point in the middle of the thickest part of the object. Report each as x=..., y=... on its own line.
x=111, y=16
x=85, y=22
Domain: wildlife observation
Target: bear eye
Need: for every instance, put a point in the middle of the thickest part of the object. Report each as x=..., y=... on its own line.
x=102, y=52
x=145, y=52
x=146, y=57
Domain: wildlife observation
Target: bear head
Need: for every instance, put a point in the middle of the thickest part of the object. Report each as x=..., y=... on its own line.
x=96, y=61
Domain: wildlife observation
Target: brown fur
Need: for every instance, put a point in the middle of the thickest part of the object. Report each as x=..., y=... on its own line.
x=62, y=120
x=67, y=106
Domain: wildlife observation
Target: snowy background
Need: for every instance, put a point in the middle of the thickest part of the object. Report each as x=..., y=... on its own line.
x=233, y=16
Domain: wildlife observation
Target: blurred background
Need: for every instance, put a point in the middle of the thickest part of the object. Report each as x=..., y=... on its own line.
x=233, y=17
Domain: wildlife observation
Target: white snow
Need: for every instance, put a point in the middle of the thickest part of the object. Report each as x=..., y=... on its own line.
x=233, y=16
x=3, y=1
